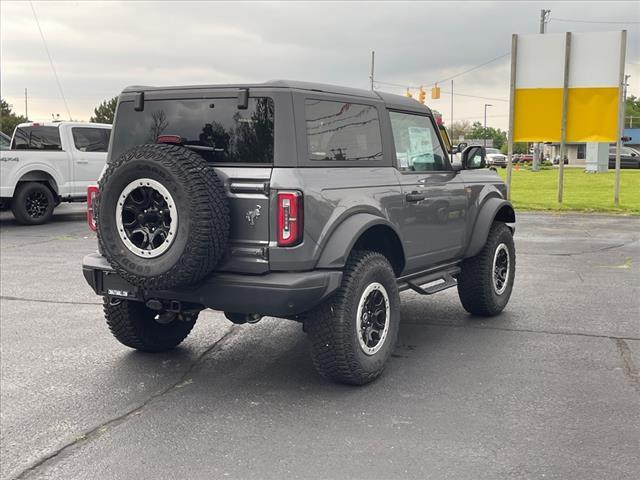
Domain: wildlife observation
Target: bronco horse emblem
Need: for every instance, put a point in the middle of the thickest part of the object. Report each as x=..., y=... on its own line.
x=252, y=215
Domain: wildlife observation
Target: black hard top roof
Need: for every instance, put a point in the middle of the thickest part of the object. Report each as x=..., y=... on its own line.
x=390, y=99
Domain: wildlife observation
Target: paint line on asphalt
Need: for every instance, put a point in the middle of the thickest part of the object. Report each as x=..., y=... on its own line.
x=96, y=432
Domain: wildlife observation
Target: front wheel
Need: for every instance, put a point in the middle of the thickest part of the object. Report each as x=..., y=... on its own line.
x=137, y=326
x=354, y=332
x=486, y=280
x=32, y=203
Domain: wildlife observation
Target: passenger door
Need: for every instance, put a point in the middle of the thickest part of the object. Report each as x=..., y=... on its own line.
x=89, y=146
x=435, y=200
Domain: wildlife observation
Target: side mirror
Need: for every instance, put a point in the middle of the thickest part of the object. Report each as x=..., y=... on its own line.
x=474, y=157
x=459, y=148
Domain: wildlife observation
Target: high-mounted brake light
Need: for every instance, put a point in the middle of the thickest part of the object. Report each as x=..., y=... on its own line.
x=290, y=224
x=92, y=195
x=172, y=139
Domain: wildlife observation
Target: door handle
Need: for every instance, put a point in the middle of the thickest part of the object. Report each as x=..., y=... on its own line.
x=82, y=161
x=415, y=197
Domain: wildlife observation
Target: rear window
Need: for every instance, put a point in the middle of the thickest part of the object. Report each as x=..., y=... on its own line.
x=37, y=138
x=338, y=131
x=214, y=128
x=91, y=139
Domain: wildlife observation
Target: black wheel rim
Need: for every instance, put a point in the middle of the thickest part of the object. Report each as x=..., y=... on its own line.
x=36, y=204
x=373, y=318
x=146, y=218
x=501, y=269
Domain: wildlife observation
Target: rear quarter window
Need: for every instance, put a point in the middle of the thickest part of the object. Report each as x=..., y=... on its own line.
x=342, y=131
x=37, y=138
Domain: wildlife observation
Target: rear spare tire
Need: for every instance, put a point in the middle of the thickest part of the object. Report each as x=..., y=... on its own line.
x=163, y=216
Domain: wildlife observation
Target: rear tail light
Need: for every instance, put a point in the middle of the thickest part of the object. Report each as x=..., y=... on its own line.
x=290, y=224
x=92, y=195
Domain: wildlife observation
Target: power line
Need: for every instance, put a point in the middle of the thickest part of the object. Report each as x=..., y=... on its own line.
x=464, y=72
x=472, y=69
x=570, y=20
x=46, y=48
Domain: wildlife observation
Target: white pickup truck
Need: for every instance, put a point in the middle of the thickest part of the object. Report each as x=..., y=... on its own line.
x=49, y=163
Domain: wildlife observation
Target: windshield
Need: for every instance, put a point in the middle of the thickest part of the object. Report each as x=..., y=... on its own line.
x=493, y=150
x=214, y=128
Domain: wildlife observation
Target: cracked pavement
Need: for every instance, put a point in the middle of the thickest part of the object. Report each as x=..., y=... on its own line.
x=549, y=388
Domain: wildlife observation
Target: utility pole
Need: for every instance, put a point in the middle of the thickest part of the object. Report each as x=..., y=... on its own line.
x=485, y=122
x=537, y=147
x=373, y=57
x=26, y=109
x=544, y=19
x=451, y=127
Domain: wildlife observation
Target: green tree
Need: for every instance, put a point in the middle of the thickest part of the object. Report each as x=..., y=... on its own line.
x=632, y=112
x=498, y=136
x=105, y=112
x=8, y=119
x=518, y=147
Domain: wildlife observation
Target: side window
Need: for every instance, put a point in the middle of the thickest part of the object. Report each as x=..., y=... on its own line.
x=417, y=145
x=91, y=139
x=339, y=131
x=37, y=138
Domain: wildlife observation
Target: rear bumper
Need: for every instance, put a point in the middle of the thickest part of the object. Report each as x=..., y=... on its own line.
x=278, y=294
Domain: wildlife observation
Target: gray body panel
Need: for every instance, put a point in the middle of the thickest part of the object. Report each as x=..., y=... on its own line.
x=343, y=201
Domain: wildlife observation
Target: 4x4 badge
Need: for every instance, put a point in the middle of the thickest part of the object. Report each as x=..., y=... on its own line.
x=252, y=215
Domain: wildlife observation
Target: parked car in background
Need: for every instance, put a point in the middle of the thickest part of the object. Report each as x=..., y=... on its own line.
x=49, y=163
x=495, y=158
x=5, y=141
x=525, y=158
x=629, y=157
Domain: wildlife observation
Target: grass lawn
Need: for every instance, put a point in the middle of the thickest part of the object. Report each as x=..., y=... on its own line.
x=583, y=192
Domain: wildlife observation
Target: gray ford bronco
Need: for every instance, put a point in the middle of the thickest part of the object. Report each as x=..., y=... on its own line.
x=310, y=202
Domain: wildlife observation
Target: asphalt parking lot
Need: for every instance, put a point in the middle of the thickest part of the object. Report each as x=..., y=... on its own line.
x=548, y=389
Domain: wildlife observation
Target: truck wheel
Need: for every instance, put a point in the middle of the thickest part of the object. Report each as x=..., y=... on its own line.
x=32, y=203
x=139, y=327
x=486, y=280
x=354, y=332
x=163, y=216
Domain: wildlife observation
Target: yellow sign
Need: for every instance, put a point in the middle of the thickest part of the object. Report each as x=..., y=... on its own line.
x=593, y=90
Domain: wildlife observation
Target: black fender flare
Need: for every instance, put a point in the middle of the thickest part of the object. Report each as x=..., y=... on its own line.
x=490, y=209
x=344, y=237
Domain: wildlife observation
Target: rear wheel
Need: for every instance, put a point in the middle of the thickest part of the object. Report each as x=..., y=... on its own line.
x=354, y=332
x=32, y=203
x=486, y=280
x=139, y=327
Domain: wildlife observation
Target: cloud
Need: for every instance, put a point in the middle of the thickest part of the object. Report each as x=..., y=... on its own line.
x=101, y=47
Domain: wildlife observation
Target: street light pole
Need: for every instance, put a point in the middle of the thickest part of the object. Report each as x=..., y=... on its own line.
x=485, y=122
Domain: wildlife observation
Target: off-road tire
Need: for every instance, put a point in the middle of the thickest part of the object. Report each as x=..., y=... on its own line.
x=475, y=282
x=134, y=325
x=202, y=209
x=19, y=203
x=335, y=349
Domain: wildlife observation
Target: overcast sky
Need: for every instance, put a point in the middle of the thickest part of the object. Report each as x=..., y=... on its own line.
x=98, y=48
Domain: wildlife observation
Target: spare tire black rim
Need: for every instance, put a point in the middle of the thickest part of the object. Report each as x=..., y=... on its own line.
x=146, y=217
x=36, y=204
x=372, y=321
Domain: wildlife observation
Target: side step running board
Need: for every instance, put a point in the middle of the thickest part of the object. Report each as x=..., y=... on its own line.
x=431, y=283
